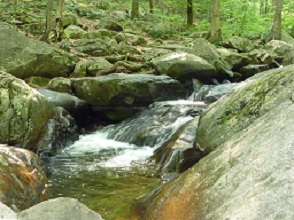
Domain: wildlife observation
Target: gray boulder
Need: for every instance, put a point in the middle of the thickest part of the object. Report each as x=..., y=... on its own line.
x=108, y=24
x=24, y=57
x=74, y=32
x=23, y=112
x=250, y=70
x=236, y=42
x=249, y=173
x=204, y=49
x=234, y=59
x=183, y=66
x=96, y=64
x=60, y=208
x=93, y=47
x=123, y=90
x=218, y=91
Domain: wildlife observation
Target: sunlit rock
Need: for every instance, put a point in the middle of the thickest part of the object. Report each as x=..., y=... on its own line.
x=183, y=66
x=22, y=178
x=60, y=208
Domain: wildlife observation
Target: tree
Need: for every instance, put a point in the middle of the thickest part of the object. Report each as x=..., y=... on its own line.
x=151, y=6
x=45, y=36
x=135, y=9
x=58, y=20
x=189, y=12
x=275, y=33
x=215, y=28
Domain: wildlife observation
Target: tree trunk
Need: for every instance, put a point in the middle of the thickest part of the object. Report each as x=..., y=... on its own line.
x=135, y=9
x=45, y=36
x=189, y=12
x=215, y=28
x=277, y=22
x=151, y=6
x=58, y=20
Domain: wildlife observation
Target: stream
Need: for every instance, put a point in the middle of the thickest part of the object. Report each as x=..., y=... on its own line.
x=109, y=168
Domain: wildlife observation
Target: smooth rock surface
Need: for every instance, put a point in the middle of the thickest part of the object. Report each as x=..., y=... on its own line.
x=6, y=213
x=62, y=208
x=183, y=66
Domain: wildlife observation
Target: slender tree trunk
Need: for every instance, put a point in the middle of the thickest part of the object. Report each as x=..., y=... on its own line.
x=135, y=9
x=151, y=6
x=215, y=28
x=189, y=12
x=58, y=20
x=277, y=23
x=45, y=36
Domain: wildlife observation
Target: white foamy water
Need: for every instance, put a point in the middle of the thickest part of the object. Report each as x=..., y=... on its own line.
x=117, y=154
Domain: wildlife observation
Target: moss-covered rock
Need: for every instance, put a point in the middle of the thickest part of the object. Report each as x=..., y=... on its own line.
x=23, y=112
x=122, y=90
x=37, y=82
x=24, y=57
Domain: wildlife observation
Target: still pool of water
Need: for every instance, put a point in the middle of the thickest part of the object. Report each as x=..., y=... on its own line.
x=110, y=191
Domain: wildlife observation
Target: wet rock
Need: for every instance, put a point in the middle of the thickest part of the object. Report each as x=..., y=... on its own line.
x=60, y=84
x=250, y=166
x=250, y=70
x=109, y=25
x=123, y=90
x=236, y=42
x=218, y=91
x=37, y=82
x=74, y=32
x=6, y=212
x=22, y=178
x=60, y=132
x=183, y=66
x=179, y=152
x=158, y=124
x=24, y=57
x=62, y=208
x=77, y=108
x=23, y=112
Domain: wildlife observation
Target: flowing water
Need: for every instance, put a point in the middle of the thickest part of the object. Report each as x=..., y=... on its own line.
x=108, y=169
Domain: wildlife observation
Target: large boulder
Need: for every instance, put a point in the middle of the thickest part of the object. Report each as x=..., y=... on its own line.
x=93, y=47
x=108, y=24
x=253, y=99
x=250, y=173
x=204, y=49
x=239, y=43
x=123, y=90
x=62, y=208
x=22, y=178
x=183, y=66
x=23, y=112
x=24, y=57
